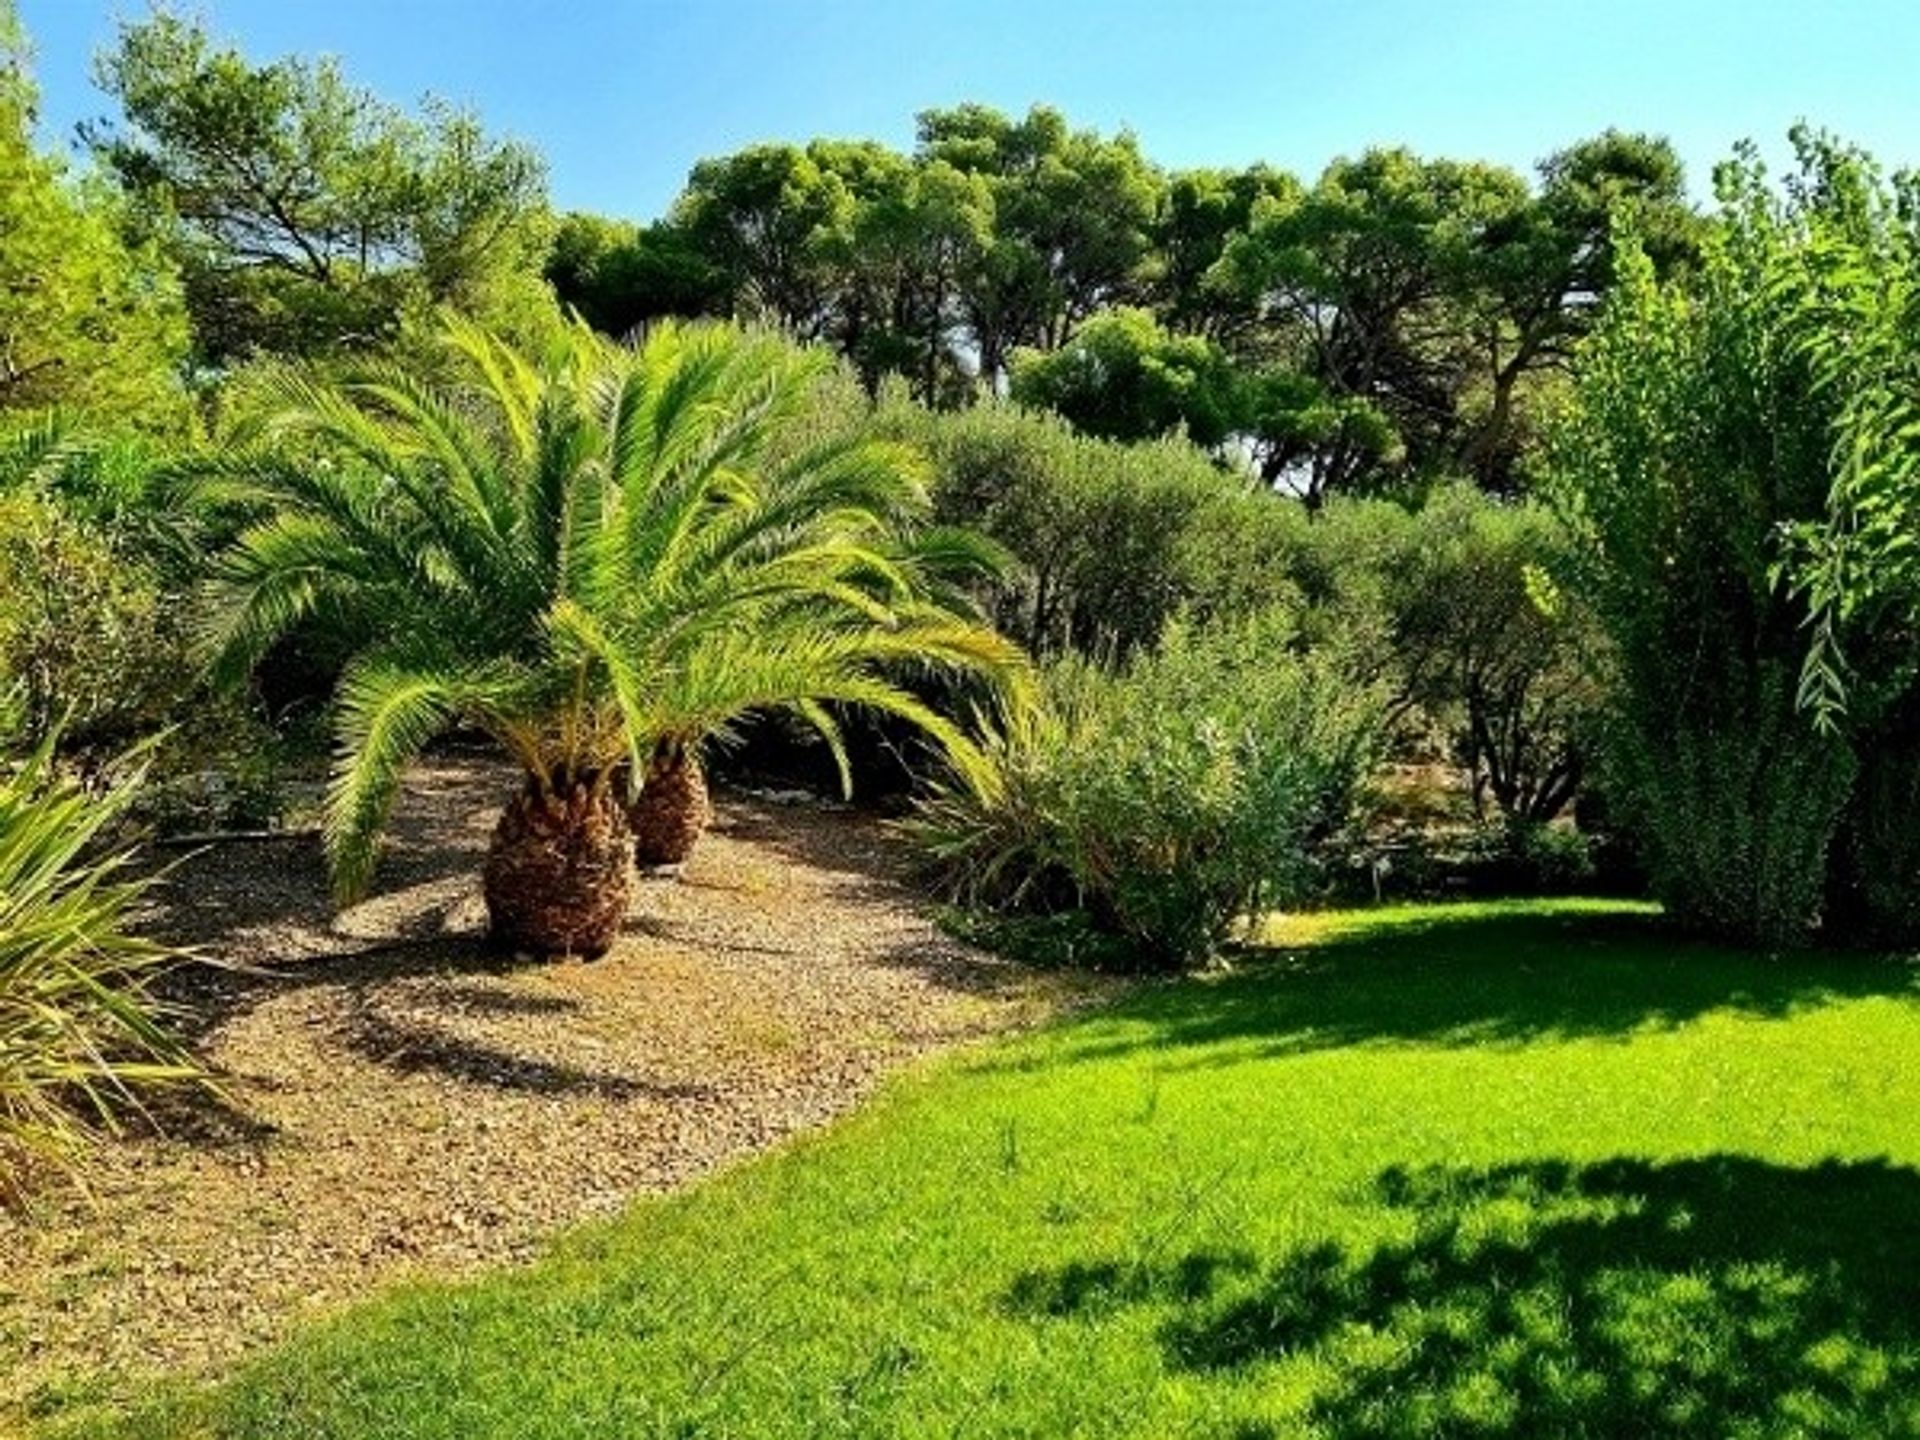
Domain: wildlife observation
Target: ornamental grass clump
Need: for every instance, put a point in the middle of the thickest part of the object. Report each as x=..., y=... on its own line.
x=80, y=1038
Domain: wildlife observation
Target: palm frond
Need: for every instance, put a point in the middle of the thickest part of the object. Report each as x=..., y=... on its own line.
x=388, y=711
x=35, y=446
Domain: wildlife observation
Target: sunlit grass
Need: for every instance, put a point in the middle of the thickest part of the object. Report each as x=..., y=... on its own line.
x=1534, y=1170
x=1310, y=927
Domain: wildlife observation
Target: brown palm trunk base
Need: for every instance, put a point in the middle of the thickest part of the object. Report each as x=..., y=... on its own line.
x=671, y=814
x=559, y=873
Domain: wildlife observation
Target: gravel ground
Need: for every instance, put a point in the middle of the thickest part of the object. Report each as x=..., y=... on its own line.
x=398, y=1103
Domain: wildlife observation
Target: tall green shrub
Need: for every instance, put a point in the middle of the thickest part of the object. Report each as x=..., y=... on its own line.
x=85, y=644
x=1096, y=525
x=1700, y=431
x=1851, y=302
x=1499, y=658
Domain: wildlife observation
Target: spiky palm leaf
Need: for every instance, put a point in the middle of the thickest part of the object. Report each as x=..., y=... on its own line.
x=582, y=554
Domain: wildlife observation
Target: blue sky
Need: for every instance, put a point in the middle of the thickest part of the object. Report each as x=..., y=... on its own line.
x=624, y=95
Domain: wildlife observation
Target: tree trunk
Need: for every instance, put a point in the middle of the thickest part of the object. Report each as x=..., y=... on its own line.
x=1486, y=453
x=672, y=812
x=559, y=873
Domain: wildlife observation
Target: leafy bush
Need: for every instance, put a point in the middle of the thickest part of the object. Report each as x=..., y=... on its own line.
x=1168, y=799
x=1873, y=892
x=1450, y=605
x=1096, y=525
x=1125, y=377
x=222, y=766
x=1696, y=434
x=1501, y=659
x=78, y=1036
x=84, y=637
x=93, y=646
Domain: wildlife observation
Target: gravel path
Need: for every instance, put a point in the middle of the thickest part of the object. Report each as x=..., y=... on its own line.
x=397, y=1103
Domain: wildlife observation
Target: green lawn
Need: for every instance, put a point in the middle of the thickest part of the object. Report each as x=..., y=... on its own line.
x=1493, y=1170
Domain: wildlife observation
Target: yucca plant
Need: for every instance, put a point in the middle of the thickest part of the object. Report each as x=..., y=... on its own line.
x=583, y=554
x=78, y=1035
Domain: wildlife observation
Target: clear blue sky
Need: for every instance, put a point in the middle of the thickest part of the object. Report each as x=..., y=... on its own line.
x=624, y=95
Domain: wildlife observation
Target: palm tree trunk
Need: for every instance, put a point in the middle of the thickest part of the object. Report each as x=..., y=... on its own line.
x=672, y=812
x=559, y=873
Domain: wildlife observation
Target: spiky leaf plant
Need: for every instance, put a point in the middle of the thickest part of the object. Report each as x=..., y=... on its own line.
x=583, y=554
x=78, y=1035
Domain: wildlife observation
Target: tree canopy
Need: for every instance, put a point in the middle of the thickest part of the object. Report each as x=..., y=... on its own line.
x=1397, y=320
x=84, y=314
x=308, y=214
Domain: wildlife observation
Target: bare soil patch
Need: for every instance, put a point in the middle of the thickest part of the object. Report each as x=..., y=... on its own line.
x=400, y=1102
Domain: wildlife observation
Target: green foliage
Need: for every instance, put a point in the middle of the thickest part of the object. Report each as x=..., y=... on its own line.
x=841, y=241
x=1542, y=266
x=1842, y=267
x=1410, y=301
x=1450, y=607
x=1200, y=213
x=995, y=233
x=1174, y=797
x=1400, y=318
x=1121, y=376
x=1498, y=656
x=1514, y=1171
x=617, y=276
x=1097, y=526
x=97, y=559
x=84, y=638
x=1246, y=551
x=767, y=219
x=78, y=1036
x=1876, y=888
x=307, y=214
x=1736, y=813
x=1358, y=271
x=1699, y=431
x=583, y=554
x=1072, y=216
x=85, y=316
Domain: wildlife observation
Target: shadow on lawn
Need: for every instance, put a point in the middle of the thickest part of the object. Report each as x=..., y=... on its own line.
x=1694, y=1298
x=1484, y=978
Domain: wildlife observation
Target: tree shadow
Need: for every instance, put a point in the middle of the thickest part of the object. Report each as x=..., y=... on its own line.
x=268, y=899
x=200, y=997
x=1482, y=978
x=408, y=1045
x=1696, y=1298
x=852, y=849
x=1093, y=1287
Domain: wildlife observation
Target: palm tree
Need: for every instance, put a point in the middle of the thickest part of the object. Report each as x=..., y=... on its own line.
x=562, y=552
